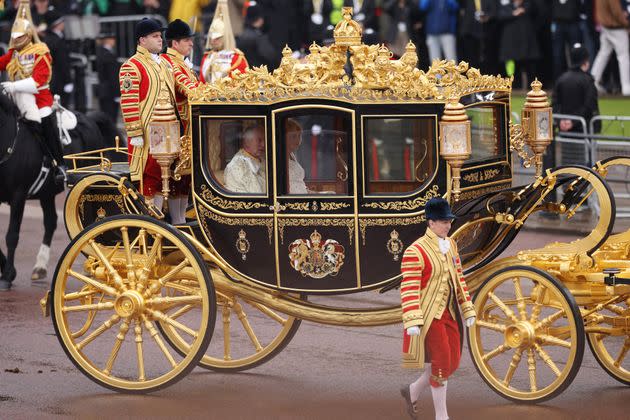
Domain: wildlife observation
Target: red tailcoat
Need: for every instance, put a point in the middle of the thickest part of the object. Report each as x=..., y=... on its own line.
x=216, y=65
x=34, y=61
x=431, y=281
x=140, y=82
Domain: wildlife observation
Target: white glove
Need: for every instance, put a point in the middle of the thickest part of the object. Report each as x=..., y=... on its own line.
x=415, y=330
x=68, y=88
x=25, y=85
x=470, y=321
x=9, y=87
x=137, y=141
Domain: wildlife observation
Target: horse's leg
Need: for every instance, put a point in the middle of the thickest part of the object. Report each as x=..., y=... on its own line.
x=50, y=224
x=13, y=235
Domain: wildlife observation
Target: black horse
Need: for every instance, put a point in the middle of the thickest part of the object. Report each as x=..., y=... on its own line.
x=21, y=156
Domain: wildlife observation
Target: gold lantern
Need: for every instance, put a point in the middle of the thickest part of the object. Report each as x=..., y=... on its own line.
x=164, y=145
x=455, y=145
x=537, y=123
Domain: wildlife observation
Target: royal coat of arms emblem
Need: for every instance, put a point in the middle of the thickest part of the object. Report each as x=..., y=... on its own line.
x=314, y=258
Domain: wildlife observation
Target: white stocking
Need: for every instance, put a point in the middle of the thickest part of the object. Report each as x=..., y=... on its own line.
x=439, y=402
x=416, y=388
x=158, y=201
x=173, y=210
x=183, y=205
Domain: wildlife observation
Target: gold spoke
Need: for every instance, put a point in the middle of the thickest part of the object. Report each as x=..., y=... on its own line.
x=142, y=240
x=540, y=298
x=507, y=311
x=555, y=341
x=544, y=323
x=131, y=273
x=113, y=320
x=138, y=332
x=165, y=318
x=227, y=351
x=88, y=307
x=153, y=332
x=617, y=309
x=491, y=326
x=80, y=295
x=271, y=314
x=118, y=281
x=622, y=352
x=120, y=338
x=181, y=311
x=531, y=367
x=242, y=316
x=520, y=300
x=516, y=359
x=100, y=286
x=547, y=359
x=146, y=268
x=179, y=287
x=155, y=287
x=497, y=351
x=169, y=301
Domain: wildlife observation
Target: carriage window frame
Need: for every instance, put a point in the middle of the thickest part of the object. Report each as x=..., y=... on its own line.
x=501, y=130
x=279, y=149
x=365, y=151
x=204, y=150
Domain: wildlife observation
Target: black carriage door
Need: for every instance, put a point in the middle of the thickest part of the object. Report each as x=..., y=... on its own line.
x=314, y=192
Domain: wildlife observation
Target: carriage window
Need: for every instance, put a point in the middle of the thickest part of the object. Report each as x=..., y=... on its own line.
x=313, y=151
x=485, y=140
x=400, y=153
x=236, y=155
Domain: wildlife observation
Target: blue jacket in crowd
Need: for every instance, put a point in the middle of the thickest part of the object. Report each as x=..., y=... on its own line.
x=441, y=16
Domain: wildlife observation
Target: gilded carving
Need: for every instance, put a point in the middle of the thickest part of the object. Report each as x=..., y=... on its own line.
x=414, y=204
x=183, y=166
x=388, y=221
x=242, y=244
x=300, y=206
x=100, y=198
x=517, y=143
x=394, y=244
x=312, y=258
x=333, y=206
x=348, y=223
x=468, y=195
x=481, y=176
x=236, y=221
x=213, y=200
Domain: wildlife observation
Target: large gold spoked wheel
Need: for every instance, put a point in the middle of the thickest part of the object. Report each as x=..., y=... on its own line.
x=247, y=334
x=106, y=303
x=610, y=339
x=528, y=340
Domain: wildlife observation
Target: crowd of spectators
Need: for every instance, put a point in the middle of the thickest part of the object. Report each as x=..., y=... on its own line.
x=523, y=38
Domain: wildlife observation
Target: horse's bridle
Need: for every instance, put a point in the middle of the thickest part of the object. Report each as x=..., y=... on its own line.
x=11, y=149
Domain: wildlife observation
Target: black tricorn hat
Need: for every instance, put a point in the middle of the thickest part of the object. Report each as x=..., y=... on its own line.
x=438, y=209
x=178, y=29
x=147, y=26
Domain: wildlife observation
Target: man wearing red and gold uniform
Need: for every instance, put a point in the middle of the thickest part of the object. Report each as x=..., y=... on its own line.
x=29, y=64
x=179, y=37
x=147, y=88
x=432, y=282
x=221, y=58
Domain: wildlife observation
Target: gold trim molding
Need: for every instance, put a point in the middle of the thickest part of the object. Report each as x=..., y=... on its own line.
x=235, y=221
x=293, y=222
x=408, y=204
x=207, y=195
x=100, y=198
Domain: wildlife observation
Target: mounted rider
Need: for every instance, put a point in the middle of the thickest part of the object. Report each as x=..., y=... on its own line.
x=29, y=66
x=221, y=58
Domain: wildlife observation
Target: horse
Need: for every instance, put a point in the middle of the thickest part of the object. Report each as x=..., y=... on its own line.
x=21, y=156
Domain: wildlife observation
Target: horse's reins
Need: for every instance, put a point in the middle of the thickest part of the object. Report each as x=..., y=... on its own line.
x=11, y=149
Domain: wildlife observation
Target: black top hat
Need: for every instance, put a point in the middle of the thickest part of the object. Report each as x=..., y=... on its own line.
x=53, y=18
x=438, y=209
x=147, y=26
x=253, y=12
x=178, y=29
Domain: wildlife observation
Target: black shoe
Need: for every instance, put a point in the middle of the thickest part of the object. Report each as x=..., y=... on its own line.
x=61, y=177
x=5, y=286
x=412, y=410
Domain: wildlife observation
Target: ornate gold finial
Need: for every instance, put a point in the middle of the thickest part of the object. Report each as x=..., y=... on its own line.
x=537, y=121
x=314, y=48
x=454, y=111
x=347, y=33
x=316, y=238
x=536, y=98
x=411, y=47
x=286, y=51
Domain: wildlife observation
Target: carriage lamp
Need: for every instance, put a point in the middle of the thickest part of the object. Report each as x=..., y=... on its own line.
x=455, y=145
x=164, y=146
x=537, y=123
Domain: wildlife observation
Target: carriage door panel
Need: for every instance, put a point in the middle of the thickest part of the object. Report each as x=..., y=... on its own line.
x=233, y=197
x=315, y=199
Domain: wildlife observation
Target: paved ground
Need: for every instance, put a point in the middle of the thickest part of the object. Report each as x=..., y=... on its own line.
x=325, y=372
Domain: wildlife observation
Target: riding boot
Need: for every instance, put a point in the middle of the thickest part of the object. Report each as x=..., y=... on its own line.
x=51, y=137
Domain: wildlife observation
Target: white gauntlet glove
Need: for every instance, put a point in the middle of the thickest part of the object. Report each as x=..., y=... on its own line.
x=137, y=141
x=470, y=321
x=9, y=88
x=415, y=330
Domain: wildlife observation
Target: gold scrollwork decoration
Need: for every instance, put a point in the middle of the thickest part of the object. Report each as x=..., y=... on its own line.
x=333, y=206
x=414, y=204
x=348, y=223
x=236, y=221
x=517, y=143
x=100, y=198
x=300, y=206
x=470, y=194
x=394, y=244
x=388, y=221
x=213, y=200
x=480, y=176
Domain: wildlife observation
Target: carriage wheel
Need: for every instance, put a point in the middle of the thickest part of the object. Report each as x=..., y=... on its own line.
x=247, y=335
x=125, y=286
x=528, y=340
x=611, y=348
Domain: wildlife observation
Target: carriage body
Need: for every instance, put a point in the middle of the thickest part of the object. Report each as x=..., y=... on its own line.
x=373, y=148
